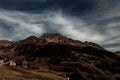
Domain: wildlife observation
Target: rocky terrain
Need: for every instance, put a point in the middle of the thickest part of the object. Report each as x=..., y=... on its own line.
x=62, y=56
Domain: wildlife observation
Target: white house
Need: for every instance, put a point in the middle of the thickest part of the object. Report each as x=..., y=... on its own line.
x=12, y=63
x=68, y=78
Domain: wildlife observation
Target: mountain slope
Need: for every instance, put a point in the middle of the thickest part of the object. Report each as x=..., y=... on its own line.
x=17, y=73
x=55, y=53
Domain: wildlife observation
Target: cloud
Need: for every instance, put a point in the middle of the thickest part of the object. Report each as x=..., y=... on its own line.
x=74, y=28
x=20, y=24
x=96, y=20
x=25, y=24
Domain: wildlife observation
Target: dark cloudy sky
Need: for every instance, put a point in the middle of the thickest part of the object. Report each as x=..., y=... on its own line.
x=86, y=20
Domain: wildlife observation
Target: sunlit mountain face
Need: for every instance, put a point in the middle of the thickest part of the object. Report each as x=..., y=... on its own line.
x=96, y=20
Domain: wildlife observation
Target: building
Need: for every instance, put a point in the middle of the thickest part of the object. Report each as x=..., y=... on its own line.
x=12, y=63
x=68, y=78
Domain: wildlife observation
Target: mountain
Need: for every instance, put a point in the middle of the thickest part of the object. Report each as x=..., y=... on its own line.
x=55, y=53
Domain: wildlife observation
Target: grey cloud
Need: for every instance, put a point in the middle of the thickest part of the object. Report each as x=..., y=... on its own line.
x=96, y=20
x=26, y=23
x=19, y=24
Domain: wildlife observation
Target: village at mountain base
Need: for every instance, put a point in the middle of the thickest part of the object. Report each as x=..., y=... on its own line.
x=13, y=63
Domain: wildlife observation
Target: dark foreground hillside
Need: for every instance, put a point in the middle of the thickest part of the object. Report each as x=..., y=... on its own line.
x=62, y=56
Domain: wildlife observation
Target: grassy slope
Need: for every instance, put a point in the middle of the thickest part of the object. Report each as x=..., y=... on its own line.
x=17, y=73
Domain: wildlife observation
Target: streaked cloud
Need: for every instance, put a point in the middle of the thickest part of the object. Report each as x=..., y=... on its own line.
x=74, y=28
x=20, y=25
x=96, y=21
x=25, y=24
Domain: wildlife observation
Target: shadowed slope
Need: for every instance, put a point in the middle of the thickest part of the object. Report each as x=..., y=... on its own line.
x=55, y=53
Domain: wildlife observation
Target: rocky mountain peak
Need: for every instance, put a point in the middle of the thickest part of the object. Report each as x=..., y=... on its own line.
x=32, y=38
x=57, y=38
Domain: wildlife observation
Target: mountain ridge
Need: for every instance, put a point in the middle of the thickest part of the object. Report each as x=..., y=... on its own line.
x=65, y=57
